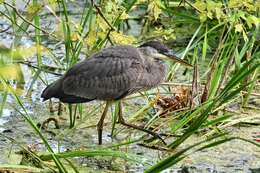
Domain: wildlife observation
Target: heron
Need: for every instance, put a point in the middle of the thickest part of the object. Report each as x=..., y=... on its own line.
x=112, y=74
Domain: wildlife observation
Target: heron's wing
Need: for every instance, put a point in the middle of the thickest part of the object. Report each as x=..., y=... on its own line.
x=109, y=74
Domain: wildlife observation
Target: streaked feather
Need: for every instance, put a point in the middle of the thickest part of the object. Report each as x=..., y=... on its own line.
x=109, y=74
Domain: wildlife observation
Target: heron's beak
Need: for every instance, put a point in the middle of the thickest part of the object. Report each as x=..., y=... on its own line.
x=171, y=55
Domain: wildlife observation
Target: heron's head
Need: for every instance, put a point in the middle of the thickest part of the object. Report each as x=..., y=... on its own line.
x=159, y=51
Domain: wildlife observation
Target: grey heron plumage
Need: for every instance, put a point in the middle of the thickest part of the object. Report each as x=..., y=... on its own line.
x=113, y=73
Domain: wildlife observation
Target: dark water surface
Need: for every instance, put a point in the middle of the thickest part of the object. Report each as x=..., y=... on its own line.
x=233, y=156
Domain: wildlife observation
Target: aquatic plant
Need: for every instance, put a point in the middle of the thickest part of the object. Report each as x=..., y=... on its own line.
x=221, y=40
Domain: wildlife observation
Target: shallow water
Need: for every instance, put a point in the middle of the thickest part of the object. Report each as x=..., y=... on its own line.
x=233, y=156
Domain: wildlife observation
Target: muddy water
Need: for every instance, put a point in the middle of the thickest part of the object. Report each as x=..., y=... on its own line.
x=234, y=156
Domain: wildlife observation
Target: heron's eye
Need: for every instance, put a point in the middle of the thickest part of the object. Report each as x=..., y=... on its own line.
x=158, y=60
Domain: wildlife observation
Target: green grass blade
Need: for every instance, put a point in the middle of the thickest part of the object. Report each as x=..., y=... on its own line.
x=91, y=153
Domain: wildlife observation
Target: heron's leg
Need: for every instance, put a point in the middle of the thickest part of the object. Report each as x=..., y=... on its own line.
x=122, y=121
x=101, y=123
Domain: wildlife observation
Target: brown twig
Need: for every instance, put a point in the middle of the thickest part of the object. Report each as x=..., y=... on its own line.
x=154, y=147
x=253, y=94
x=13, y=22
x=4, y=30
x=47, y=121
x=225, y=73
x=29, y=64
x=195, y=85
x=103, y=17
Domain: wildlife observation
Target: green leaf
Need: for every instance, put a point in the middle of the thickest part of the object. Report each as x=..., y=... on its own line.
x=252, y=20
x=239, y=27
x=91, y=153
x=205, y=45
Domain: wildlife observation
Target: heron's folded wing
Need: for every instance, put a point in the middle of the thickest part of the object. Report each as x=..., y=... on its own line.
x=102, y=77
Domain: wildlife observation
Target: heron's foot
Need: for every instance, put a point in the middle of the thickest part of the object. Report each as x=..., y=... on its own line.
x=122, y=121
x=156, y=135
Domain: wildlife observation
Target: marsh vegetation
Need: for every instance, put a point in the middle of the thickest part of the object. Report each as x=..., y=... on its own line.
x=208, y=115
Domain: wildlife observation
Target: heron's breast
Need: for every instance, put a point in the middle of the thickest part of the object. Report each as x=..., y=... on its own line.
x=153, y=75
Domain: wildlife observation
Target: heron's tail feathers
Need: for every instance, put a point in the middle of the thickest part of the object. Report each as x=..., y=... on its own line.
x=52, y=90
